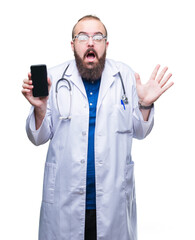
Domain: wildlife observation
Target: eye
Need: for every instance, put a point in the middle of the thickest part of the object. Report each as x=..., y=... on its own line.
x=82, y=37
x=97, y=37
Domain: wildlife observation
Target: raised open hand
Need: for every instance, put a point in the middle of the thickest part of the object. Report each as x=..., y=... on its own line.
x=148, y=93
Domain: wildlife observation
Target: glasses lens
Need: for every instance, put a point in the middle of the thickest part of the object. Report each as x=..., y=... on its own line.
x=83, y=37
x=98, y=37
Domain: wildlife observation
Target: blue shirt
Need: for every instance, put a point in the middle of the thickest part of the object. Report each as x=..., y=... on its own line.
x=92, y=90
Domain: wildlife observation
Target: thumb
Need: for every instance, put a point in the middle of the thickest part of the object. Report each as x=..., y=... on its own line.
x=137, y=78
x=49, y=83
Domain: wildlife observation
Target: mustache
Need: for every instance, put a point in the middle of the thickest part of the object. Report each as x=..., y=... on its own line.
x=93, y=73
x=91, y=50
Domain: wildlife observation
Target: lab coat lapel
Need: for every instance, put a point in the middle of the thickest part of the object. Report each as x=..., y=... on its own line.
x=74, y=77
x=107, y=79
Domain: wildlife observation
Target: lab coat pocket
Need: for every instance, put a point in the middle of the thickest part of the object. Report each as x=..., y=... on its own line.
x=49, y=182
x=129, y=180
x=122, y=119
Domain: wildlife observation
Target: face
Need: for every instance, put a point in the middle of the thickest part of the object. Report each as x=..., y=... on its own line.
x=90, y=55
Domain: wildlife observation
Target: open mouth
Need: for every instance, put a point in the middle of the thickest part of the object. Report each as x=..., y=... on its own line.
x=90, y=55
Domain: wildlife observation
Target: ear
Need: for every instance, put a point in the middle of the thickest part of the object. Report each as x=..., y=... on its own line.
x=72, y=45
x=107, y=43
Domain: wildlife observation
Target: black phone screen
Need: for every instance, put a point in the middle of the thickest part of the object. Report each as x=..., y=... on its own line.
x=39, y=80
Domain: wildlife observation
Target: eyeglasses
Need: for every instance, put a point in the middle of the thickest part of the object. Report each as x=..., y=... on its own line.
x=83, y=38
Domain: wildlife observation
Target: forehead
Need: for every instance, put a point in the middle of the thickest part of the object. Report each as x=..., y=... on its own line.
x=89, y=26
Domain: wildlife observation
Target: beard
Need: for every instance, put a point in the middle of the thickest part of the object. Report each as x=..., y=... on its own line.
x=90, y=71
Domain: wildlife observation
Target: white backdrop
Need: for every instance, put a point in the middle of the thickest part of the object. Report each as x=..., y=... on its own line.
x=141, y=34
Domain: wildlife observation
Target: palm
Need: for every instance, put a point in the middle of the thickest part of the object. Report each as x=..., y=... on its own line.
x=36, y=101
x=148, y=93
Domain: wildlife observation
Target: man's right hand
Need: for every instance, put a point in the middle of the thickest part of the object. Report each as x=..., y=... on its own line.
x=39, y=103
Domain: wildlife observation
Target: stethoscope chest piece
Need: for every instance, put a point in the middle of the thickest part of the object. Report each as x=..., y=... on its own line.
x=125, y=99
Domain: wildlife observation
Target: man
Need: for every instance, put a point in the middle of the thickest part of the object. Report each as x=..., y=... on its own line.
x=89, y=190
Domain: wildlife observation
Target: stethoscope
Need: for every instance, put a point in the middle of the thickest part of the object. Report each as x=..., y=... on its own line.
x=70, y=94
x=124, y=99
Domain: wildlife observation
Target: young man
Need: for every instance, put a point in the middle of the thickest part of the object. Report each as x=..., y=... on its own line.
x=89, y=190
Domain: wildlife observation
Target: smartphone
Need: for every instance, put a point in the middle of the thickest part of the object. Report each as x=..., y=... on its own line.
x=39, y=80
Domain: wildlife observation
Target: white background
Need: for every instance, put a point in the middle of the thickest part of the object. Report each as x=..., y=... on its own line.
x=141, y=34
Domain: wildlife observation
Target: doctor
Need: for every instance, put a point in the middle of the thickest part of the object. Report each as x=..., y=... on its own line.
x=88, y=189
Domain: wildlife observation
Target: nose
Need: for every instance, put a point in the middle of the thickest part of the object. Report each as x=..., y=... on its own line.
x=90, y=41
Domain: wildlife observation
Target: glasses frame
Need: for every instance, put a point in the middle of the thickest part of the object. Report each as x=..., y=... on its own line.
x=92, y=36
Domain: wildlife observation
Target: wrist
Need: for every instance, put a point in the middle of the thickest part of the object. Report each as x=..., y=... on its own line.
x=40, y=111
x=145, y=106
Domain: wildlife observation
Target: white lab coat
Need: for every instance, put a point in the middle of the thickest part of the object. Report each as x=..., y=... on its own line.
x=62, y=214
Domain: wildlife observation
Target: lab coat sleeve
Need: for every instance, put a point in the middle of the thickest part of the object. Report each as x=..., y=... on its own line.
x=44, y=133
x=141, y=128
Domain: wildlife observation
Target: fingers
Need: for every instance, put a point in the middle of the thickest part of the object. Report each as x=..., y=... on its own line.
x=137, y=78
x=163, y=84
x=161, y=80
x=166, y=87
x=154, y=73
x=165, y=80
x=27, y=86
x=29, y=76
x=49, y=83
x=161, y=75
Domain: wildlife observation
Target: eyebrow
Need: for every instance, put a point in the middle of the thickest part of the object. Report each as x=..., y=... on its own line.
x=88, y=34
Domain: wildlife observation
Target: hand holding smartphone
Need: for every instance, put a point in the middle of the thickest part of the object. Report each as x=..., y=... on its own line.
x=39, y=80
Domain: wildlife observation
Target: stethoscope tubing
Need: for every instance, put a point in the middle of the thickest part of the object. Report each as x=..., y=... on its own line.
x=124, y=99
x=70, y=91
